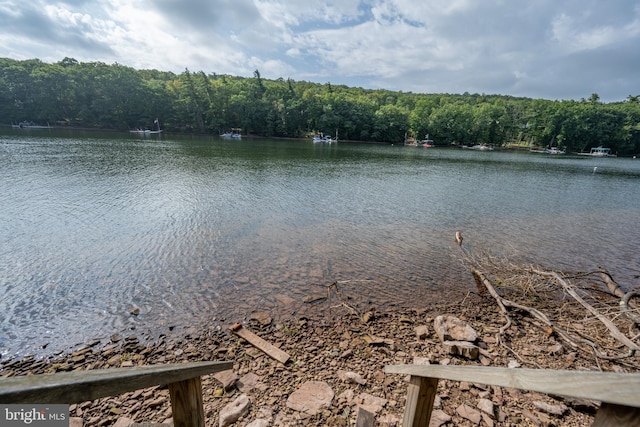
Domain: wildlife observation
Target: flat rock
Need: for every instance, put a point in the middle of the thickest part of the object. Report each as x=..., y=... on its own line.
x=260, y=422
x=422, y=332
x=262, y=317
x=234, y=410
x=226, y=378
x=462, y=348
x=450, y=328
x=466, y=411
x=247, y=382
x=551, y=409
x=370, y=402
x=311, y=398
x=487, y=406
x=438, y=418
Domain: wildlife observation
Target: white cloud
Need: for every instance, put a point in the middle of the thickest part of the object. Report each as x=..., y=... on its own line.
x=491, y=46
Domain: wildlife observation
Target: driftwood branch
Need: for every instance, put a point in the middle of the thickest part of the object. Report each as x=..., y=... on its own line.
x=514, y=287
x=615, y=332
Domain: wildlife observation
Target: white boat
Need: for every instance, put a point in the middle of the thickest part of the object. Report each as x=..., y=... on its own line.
x=140, y=131
x=481, y=147
x=231, y=135
x=326, y=139
x=599, y=152
x=552, y=150
x=29, y=125
x=144, y=131
x=321, y=137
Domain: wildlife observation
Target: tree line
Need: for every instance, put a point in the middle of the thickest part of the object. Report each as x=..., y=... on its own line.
x=113, y=96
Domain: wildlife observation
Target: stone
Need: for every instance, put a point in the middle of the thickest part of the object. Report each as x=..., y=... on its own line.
x=311, y=398
x=352, y=377
x=488, y=420
x=227, y=378
x=450, y=328
x=461, y=348
x=346, y=354
x=422, y=332
x=438, y=418
x=370, y=402
x=262, y=317
x=234, y=410
x=247, y=382
x=467, y=412
x=551, y=409
x=367, y=317
x=260, y=422
x=486, y=406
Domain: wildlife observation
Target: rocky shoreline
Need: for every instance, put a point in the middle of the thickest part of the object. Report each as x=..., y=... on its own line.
x=338, y=354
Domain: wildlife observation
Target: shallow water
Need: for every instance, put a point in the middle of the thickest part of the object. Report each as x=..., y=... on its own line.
x=189, y=229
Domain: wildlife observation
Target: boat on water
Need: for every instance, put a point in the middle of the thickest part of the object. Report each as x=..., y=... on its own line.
x=29, y=125
x=480, y=147
x=322, y=138
x=140, y=131
x=231, y=135
x=144, y=131
x=234, y=133
x=599, y=151
x=426, y=142
x=325, y=139
x=421, y=143
x=552, y=150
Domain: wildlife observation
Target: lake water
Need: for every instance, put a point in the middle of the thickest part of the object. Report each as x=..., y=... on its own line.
x=193, y=229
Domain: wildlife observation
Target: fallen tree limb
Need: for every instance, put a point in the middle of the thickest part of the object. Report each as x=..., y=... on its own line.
x=629, y=309
x=503, y=303
x=613, y=329
x=513, y=286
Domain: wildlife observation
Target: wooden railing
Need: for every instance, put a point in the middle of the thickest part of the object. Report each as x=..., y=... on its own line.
x=619, y=393
x=183, y=379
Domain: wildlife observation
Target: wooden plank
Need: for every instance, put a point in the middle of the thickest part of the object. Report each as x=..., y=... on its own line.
x=365, y=418
x=81, y=386
x=420, y=397
x=258, y=342
x=610, y=415
x=186, y=403
x=610, y=387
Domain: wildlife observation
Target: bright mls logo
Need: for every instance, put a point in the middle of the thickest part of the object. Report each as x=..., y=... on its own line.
x=34, y=415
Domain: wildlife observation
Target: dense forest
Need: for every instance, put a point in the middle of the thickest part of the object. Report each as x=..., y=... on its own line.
x=98, y=95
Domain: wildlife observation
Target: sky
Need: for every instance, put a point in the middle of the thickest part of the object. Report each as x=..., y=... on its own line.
x=551, y=49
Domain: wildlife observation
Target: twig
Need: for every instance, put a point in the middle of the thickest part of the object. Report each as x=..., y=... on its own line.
x=615, y=332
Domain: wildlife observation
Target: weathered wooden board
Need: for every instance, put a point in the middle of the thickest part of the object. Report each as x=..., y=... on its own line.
x=186, y=403
x=81, y=386
x=258, y=342
x=610, y=387
x=420, y=397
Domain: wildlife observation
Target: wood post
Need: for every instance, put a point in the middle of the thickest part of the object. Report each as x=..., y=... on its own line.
x=186, y=403
x=610, y=415
x=420, y=397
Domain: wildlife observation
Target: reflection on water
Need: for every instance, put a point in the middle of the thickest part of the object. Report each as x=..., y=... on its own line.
x=194, y=228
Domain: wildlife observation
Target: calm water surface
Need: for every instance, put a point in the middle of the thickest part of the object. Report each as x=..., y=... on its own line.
x=193, y=229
